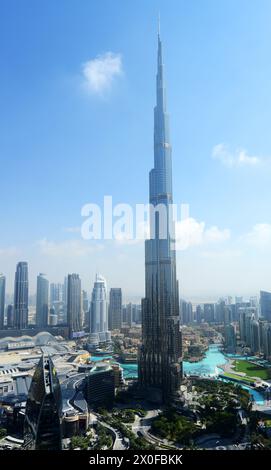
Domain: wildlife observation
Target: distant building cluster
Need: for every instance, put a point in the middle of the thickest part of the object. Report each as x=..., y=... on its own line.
x=246, y=324
x=65, y=308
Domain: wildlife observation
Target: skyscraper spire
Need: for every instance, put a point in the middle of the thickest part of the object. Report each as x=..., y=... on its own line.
x=160, y=368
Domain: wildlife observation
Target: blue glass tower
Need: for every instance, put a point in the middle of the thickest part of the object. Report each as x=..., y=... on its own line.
x=21, y=296
x=160, y=364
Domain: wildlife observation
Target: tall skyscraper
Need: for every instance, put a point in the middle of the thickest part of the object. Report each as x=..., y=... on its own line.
x=21, y=296
x=42, y=427
x=56, y=293
x=115, y=307
x=42, y=301
x=10, y=316
x=265, y=305
x=160, y=365
x=230, y=338
x=98, y=309
x=255, y=336
x=74, y=305
x=2, y=299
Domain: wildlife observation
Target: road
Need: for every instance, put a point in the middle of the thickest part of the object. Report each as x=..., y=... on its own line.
x=118, y=438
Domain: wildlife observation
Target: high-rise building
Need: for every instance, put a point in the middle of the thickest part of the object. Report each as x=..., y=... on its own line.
x=42, y=301
x=186, y=313
x=10, y=316
x=137, y=314
x=230, y=338
x=266, y=336
x=56, y=293
x=254, y=336
x=228, y=317
x=43, y=414
x=160, y=365
x=209, y=313
x=115, y=309
x=2, y=299
x=129, y=314
x=65, y=299
x=199, y=314
x=21, y=296
x=246, y=314
x=85, y=308
x=99, y=310
x=265, y=305
x=100, y=385
x=74, y=306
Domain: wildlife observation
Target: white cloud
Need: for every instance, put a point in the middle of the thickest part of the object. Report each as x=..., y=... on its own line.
x=190, y=232
x=221, y=254
x=259, y=236
x=9, y=251
x=236, y=158
x=68, y=248
x=214, y=234
x=100, y=72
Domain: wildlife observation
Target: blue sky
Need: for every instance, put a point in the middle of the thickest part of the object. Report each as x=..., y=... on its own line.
x=64, y=143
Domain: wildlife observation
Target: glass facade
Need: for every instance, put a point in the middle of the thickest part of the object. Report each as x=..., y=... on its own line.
x=21, y=296
x=160, y=365
x=42, y=427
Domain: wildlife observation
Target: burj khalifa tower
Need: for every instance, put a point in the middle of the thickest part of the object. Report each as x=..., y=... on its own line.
x=160, y=362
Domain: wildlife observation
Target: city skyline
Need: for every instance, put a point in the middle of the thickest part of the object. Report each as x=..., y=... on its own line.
x=53, y=119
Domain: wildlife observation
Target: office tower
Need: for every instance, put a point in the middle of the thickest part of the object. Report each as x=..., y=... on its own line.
x=100, y=385
x=74, y=306
x=186, y=312
x=53, y=317
x=10, y=316
x=254, y=301
x=85, y=308
x=255, y=336
x=115, y=307
x=242, y=324
x=21, y=296
x=43, y=414
x=56, y=293
x=230, y=338
x=262, y=324
x=124, y=314
x=266, y=347
x=248, y=319
x=98, y=309
x=2, y=299
x=245, y=316
x=65, y=299
x=227, y=315
x=42, y=302
x=219, y=311
x=129, y=314
x=265, y=305
x=137, y=314
x=160, y=366
x=198, y=313
x=85, y=301
x=209, y=312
